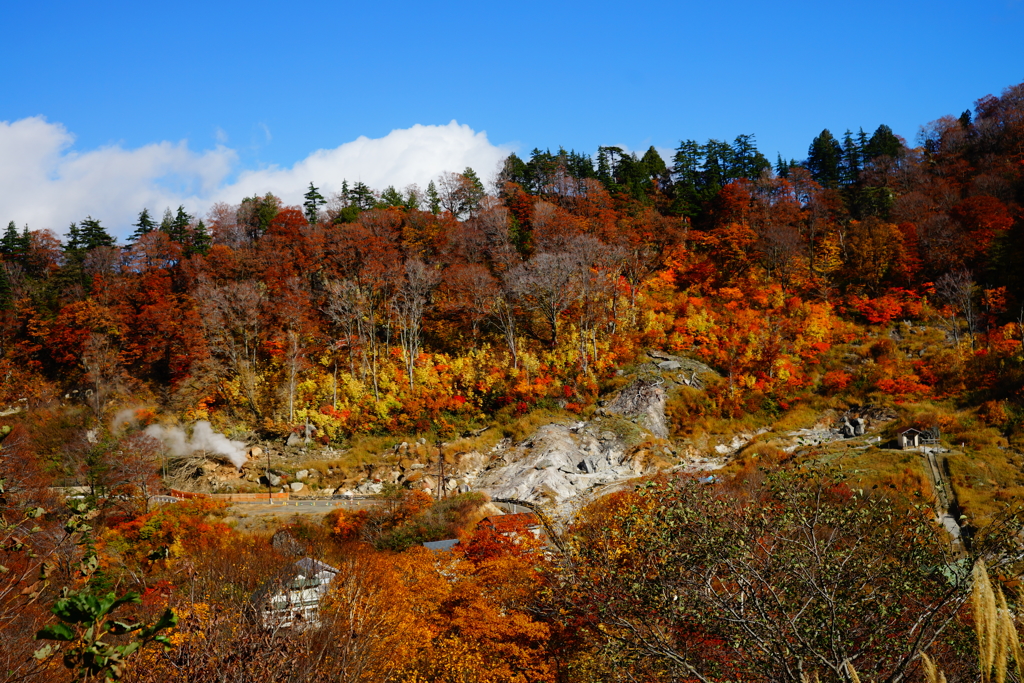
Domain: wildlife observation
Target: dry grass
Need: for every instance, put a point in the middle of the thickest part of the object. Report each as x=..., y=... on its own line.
x=985, y=482
x=880, y=469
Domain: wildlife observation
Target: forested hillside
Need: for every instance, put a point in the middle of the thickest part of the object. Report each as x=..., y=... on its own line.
x=876, y=274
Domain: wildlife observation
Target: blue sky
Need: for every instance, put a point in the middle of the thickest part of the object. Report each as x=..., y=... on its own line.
x=203, y=100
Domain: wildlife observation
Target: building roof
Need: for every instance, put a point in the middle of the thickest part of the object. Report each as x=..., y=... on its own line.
x=310, y=567
x=910, y=429
x=441, y=546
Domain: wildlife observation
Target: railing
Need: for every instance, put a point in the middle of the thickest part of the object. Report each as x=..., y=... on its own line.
x=233, y=497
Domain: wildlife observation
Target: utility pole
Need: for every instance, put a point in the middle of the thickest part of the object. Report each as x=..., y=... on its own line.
x=270, y=494
x=441, y=488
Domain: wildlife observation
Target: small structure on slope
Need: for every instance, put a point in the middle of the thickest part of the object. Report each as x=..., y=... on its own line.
x=913, y=438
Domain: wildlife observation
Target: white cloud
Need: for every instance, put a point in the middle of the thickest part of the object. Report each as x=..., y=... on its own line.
x=46, y=183
x=400, y=158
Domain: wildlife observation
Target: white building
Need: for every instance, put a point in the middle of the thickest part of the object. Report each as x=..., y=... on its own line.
x=297, y=603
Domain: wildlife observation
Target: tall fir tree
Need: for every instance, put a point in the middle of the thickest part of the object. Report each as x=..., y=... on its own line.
x=311, y=206
x=93, y=234
x=747, y=161
x=392, y=197
x=73, y=241
x=199, y=240
x=177, y=225
x=143, y=226
x=883, y=143
x=781, y=166
x=851, y=160
x=825, y=159
x=433, y=198
x=476, y=190
x=10, y=243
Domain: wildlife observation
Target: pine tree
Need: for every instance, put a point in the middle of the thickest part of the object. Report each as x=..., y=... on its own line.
x=605, y=172
x=167, y=221
x=781, y=167
x=718, y=168
x=412, y=199
x=433, y=198
x=73, y=242
x=747, y=161
x=514, y=170
x=653, y=163
x=687, y=167
x=10, y=242
x=883, y=143
x=143, y=226
x=93, y=234
x=311, y=207
x=476, y=189
x=862, y=142
x=851, y=159
x=391, y=197
x=177, y=227
x=362, y=197
x=824, y=159
x=200, y=242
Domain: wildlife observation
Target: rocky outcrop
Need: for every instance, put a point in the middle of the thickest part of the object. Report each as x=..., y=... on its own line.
x=557, y=463
x=681, y=370
x=644, y=400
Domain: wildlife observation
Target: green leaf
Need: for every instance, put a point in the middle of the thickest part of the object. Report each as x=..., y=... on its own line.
x=119, y=628
x=45, y=651
x=130, y=598
x=77, y=609
x=56, y=632
x=167, y=619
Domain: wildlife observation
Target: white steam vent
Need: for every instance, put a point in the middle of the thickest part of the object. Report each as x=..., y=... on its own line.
x=203, y=438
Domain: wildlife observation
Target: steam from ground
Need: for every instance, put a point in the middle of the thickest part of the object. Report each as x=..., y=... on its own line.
x=203, y=438
x=123, y=417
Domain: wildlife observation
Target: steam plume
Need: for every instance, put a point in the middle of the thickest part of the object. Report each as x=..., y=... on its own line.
x=203, y=439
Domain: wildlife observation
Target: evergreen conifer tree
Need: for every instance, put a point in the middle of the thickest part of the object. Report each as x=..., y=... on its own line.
x=391, y=197
x=73, y=242
x=433, y=198
x=143, y=226
x=200, y=242
x=824, y=159
x=851, y=159
x=311, y=206
x=781, y=167
x=747, y=161
x=177, y=226
x=93, y=234
x=883, y=143
x=10, y=243
x=476, y=189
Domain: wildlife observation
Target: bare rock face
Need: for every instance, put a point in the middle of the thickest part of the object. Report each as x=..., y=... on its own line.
x=558, y=463
x=644, y=398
